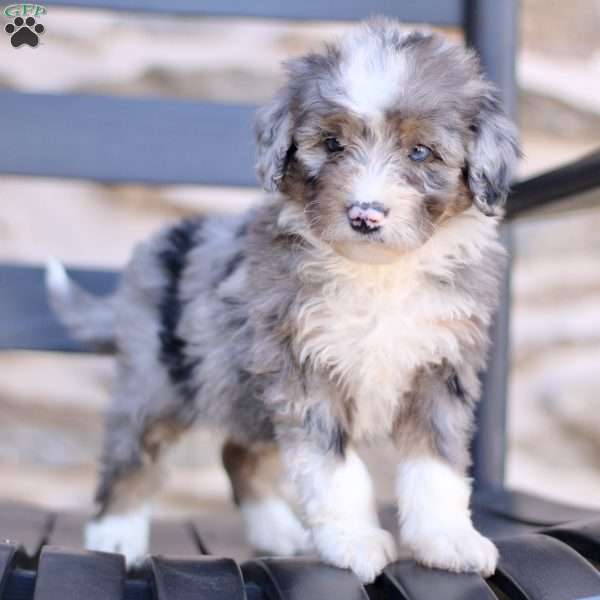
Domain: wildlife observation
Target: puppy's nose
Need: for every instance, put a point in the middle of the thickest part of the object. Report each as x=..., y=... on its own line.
x=366, y=217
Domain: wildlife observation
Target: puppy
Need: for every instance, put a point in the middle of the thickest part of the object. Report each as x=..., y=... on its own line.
x=353, y=304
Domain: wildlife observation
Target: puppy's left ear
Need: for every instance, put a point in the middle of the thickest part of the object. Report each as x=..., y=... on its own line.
x=492, y=156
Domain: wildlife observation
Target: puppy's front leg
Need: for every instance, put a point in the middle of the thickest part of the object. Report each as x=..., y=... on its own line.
x=336, y=497
x=433, y=434
x=435, y=521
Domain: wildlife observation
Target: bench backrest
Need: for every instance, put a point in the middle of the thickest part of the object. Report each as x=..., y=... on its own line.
x=208, y=143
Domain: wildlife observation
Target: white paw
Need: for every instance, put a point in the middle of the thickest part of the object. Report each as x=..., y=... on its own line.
x=462, y=550
x=363, y=549
x=127, y=534
x=273, y=528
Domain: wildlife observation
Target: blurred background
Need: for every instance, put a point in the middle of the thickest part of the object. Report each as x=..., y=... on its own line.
x=51, y=405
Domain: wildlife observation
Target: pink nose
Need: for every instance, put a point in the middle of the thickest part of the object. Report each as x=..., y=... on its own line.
x=366, y=216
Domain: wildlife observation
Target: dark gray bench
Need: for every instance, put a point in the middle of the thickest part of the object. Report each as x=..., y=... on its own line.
x=548, y=550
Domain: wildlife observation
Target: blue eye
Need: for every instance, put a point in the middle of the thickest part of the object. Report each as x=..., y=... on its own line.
x=419, y=153
x=333, y=145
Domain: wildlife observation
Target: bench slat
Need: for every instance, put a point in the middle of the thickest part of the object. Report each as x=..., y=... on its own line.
x=107, y=139
x=584, y=537
x=302, y=578
x=406, y=580
x=67, y=530
x=72, y=575
x=24, y=525
x=27, y=320
x=8, y=554
x=196, y=579
x=526, y=508
x=222, y=534
x=535, y=566
x=449, y=12
x=173, y=538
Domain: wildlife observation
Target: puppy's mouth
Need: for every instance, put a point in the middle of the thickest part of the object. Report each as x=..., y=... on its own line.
x=369, y=249
x=362, y=232
x=364, y=227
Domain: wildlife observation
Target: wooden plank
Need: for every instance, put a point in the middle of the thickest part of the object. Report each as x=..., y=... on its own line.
x=28, y=323
x=24, y=525
x=448, y=12
x=154, y=141
x=71, y=575
x=222, y=534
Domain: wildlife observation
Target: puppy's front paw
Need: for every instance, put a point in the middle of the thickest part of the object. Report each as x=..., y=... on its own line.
x=122, y=534
x=462, y=550
x=363, y=549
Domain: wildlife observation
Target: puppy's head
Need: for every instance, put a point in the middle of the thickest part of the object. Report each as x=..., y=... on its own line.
x=384, y=136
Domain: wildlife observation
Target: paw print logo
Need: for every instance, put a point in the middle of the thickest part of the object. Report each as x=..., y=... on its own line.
x=24, y=32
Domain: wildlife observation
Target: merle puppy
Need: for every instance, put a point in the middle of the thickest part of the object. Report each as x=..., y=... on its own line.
x=353, y=304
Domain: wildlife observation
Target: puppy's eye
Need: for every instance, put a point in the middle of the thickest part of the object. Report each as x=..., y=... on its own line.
x=419, y=153
x=333, y=145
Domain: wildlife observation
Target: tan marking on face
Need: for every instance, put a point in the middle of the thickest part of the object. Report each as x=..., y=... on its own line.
x=375, y=166
x=412, y=131
x=345, y=126
x=460, y=202
x=409, y=131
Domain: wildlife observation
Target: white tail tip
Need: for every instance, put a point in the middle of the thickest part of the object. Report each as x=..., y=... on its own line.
x=57, y=280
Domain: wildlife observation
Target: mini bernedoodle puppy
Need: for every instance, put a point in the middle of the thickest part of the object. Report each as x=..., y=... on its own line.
x=353, y=304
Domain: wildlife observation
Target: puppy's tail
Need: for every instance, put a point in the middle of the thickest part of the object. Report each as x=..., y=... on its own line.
x=90, y=319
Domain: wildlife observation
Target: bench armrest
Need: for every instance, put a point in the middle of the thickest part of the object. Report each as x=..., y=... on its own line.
x=574, y=179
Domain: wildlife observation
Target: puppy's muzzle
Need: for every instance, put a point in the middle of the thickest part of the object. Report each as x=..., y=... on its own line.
x=366, y=217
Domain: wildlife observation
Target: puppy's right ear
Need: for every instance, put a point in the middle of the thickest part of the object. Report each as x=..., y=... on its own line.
x=273, y=131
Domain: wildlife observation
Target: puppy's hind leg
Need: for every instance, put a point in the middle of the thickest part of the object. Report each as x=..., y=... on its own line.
x=130, y=476
x=270, y=523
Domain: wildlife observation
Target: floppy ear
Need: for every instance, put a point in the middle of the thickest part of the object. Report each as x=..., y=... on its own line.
x=492, y=156
x=273, y=131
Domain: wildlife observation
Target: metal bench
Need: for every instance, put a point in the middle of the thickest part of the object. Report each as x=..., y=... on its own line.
x=548, y=550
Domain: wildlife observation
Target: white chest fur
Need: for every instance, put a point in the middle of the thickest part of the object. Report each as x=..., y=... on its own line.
x=371, y=327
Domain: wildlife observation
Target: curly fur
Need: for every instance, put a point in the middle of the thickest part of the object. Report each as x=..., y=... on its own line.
x=288, y=329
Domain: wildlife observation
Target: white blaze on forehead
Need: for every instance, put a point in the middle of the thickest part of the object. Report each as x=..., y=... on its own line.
x=372, y=75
